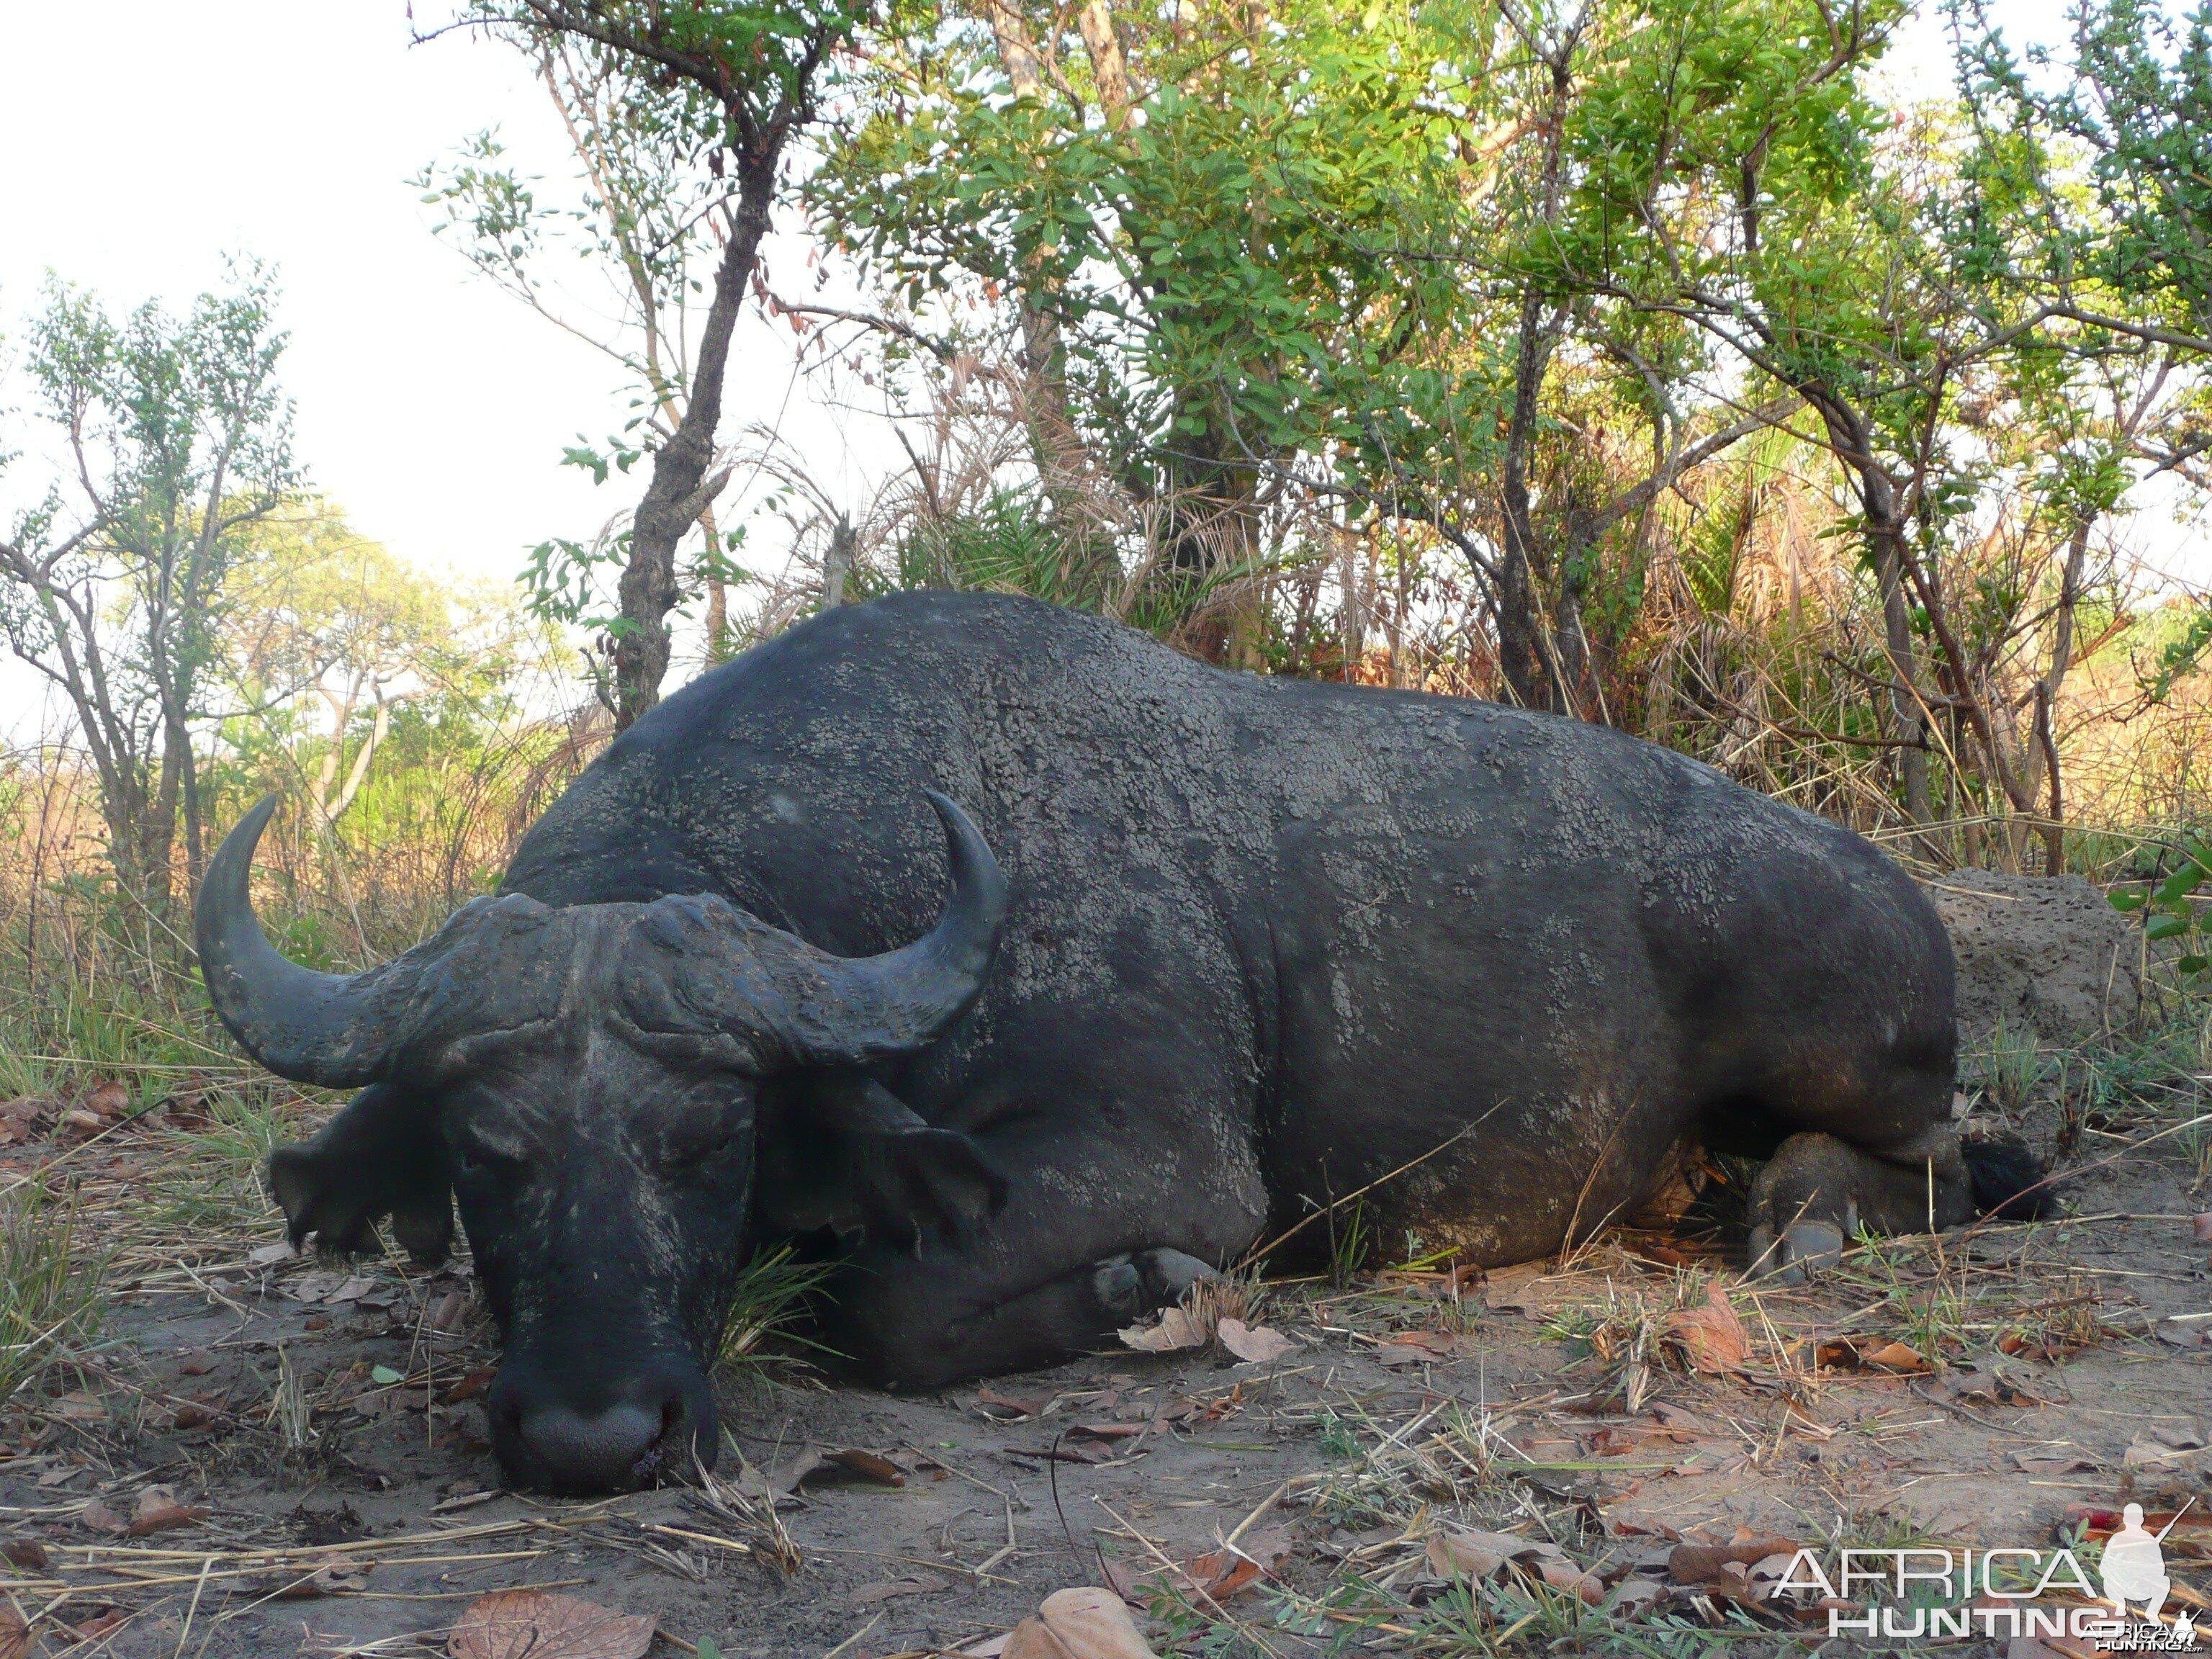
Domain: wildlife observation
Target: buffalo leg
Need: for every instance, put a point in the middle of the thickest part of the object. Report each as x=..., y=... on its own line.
x=1817, y=1191
x=918, y=1322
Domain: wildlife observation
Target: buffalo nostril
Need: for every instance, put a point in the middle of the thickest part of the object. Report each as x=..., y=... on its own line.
x=582, y=1434
x=597, y=1451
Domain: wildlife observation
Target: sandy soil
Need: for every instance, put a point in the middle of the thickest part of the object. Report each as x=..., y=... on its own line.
x=1510, y=1410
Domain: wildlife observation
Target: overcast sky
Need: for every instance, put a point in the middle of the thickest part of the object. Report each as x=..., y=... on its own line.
x=431, y=407
x=434, y=408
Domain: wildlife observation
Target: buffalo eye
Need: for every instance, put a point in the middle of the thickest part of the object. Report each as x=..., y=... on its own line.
x=695, y=1152
x=471, y=1161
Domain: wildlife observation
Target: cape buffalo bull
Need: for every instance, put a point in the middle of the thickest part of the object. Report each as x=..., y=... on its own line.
x=1218, y=949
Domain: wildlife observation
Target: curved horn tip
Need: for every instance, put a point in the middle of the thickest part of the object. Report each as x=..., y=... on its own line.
x=299, y=1023
x=948, y=809
x=967, y=850
x=230, y=870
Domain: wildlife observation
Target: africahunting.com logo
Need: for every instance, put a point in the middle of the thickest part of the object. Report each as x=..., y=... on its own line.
x=1939, y=1593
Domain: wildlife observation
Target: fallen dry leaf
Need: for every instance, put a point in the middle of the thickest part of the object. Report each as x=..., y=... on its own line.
x=802, y=1463
x=468, y=1388
x=528, y=1624
x=2030, y=1463
x=1986, y=1385
x=1177, y=1330
x=2155, y=1452
x=811, y=1460
x=1701, y=1563
x=19, y=1118
x=78, y=1406
x=97, y=1515
x=2201, y=1227
x=869, y=1465
x=27, y=1552
x=14, y=1633
x=1486, y=1554
x=1083, y=1623
x=1257, y=1344
x=1849, y=1353
x=1004, y=1408
x=1631, y=1596
x=914, y=1583
x=1417, y=1347
x=107, y=1100
x=331, y=1578
x=1478, y=1555
x=1712, y=1338
x=1215, y=1576
x=158, y=1508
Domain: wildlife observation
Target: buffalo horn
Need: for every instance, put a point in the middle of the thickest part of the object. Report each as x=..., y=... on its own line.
x=898, y=1002
x=309, y=1027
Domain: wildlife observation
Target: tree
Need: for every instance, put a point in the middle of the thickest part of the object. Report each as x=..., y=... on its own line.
x=2113, y=134
x=683, y=112
x=321, y=614
x=1204, y=275
x=173, y=438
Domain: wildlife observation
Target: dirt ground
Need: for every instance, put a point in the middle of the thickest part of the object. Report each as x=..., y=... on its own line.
x=320, y=1486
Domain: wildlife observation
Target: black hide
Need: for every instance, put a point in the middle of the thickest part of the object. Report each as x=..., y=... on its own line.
x=1260, y=944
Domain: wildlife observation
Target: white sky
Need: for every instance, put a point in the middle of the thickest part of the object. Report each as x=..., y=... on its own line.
x=431, y=406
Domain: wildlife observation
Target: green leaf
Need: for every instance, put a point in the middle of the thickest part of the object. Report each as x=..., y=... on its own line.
x=2194, y=964
x=2180, y=884
x=384, y=1376
x=2166, y=926
x=2124, y=901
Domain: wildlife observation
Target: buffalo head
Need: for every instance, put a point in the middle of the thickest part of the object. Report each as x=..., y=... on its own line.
x=583, y=1080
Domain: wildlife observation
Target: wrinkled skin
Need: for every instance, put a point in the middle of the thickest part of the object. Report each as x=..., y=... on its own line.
x=585, y=1082
x=1258, y=944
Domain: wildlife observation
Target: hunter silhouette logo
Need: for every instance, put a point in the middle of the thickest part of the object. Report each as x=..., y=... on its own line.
x=1937, y=1593
x=2134, y=1565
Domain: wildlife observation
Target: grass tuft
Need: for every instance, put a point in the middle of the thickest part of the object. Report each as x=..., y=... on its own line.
x=771, y=1305
x=51, y=1287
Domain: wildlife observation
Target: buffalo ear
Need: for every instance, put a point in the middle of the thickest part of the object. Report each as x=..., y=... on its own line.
x=912, y=1181
x=851, y=1157
x=382, y=1155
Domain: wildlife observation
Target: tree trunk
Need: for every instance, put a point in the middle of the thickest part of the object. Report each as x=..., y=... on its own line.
x=680, y=489
x=837, y=564
x=1062, y=460
x=1884, y=537
x=1884, y=533
x=1521, y=646
x=2047, y=694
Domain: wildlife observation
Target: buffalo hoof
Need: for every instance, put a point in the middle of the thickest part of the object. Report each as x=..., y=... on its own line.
x=1119, y=1286
x=1806, y=1247
x=1135, y=1283
x=1169, y=1273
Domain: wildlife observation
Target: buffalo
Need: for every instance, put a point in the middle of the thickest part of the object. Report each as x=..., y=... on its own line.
x=1032, y=970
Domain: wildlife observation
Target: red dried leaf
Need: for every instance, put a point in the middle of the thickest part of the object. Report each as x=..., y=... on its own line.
x=1712, y=1338
x=528, y=1624
x=1255, y=1344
